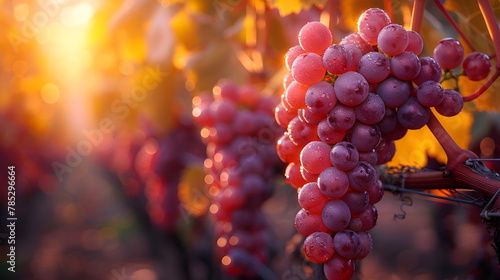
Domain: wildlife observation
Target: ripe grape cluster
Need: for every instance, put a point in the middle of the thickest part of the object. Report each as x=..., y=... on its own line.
x=238, y=127
x=343, y=106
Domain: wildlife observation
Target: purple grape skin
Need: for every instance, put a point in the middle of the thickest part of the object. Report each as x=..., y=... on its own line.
x=344, y=155
x=364, y=136
x=351, y=88
x=393, y=39
x=371, y=111
x=357, y=201
x=430, y=93
x=336, y=215
x=413, y=115
x=389, y=121
x=374, y=66
x=405, y=66
x=347, y=244
x=329, y=135
x=452, y=103
x=429, y=71
x=337, y=59
x=449, y=53
x=320, y=98
x=393, y=91
x=362, y=176
x=366, y=244
x=477, y=66
x=333, y=182
x=341, y=117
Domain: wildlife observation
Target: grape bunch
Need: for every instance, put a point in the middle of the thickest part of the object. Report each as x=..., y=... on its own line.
x=238, y=127
x=343, y=107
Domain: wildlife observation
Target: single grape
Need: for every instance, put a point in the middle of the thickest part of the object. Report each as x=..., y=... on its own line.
x=283, y=116
x=371, y=111
x=293, y=175
x=376, y=192
x=320, y=98
x=412, y=114
x=314, y=156
x=477, y=66
x=287, y=80
x=225, y=90
x=223, y=111
x=307, y=223
x=389, y=121
x=356, y=200
x=295, y=95
x=374, y=66
x=449, y=53
x=392, y=39
x=364, y=136
x=368, y=218
x=370, y=24
x=429, y=71
x=344, y=156
x=341, y=117
x=336, y=215
x=415, y=42
x=385, y=152
x=311, y=198
x=292, y=54
x=301, y=133
x=315, y=37
x=452, y=103
x=362, y=176
x=366, y=244
x=333, y=182
x=430, y=93
x=287, y=150
x=393, y=91
x=339, y=268
x=405, y=66
x=337, y=59
x=308, y=68
x=351, y=88
x=329, y=135
x=347, y=244
x=319, y=247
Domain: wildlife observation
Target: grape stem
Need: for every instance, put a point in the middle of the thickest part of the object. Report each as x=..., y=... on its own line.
x=417, y=15
x=492, y=24
x=465, y=173
x=454, y=24
x=484, y=87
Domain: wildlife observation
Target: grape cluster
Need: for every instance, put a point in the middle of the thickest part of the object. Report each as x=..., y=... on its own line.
x=344, y=105
x=238, y=127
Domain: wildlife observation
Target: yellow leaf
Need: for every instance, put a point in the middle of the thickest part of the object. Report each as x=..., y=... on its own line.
x=286, y=7
x=192, y=191
x=413, y=148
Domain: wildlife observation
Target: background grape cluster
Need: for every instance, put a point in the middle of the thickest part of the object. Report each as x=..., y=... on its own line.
x=238, y=128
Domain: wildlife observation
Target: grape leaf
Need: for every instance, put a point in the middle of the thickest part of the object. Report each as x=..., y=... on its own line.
x=416, y=145
x=192, y=191
x=294, y=6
